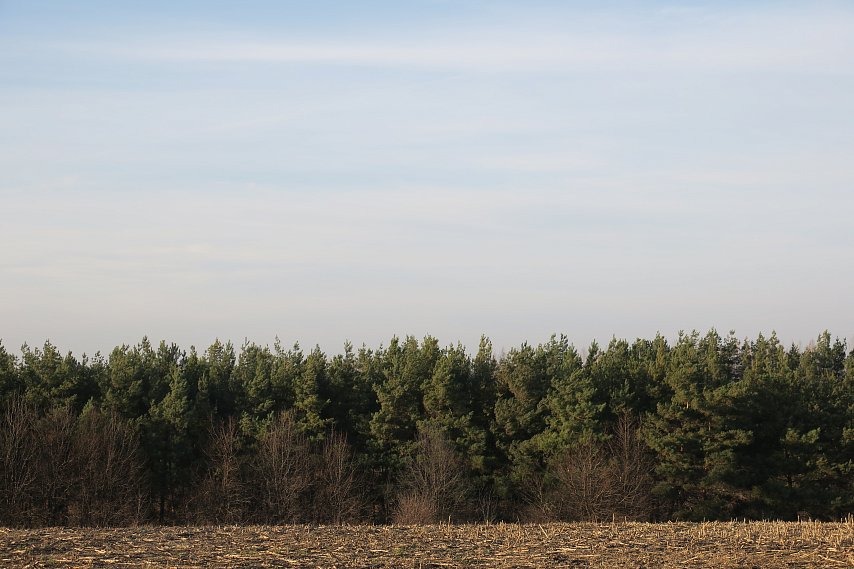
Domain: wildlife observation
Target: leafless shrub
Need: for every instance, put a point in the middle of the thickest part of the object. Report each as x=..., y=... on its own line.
x=486, y=503
x=58, y=469
x=282, y=471
x=538, y=500
x=631, y=468
x=415, y=509
x=337, y=499
x=18, y=462
x=221, y=496
x=596, y=481
x=585, y=485
x=110, y=472
x=433, y=486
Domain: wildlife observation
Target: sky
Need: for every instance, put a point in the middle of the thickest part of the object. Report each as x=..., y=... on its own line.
x=328, y=171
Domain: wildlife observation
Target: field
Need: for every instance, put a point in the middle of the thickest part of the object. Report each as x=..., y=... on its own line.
x=719, y=545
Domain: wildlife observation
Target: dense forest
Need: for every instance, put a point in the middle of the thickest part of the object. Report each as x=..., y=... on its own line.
x=706, y=427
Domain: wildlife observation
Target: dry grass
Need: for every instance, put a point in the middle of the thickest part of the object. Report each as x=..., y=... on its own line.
x=719, y=545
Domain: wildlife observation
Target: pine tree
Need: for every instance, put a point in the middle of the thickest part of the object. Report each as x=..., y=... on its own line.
x=54, y=380
x=451, y=403
x=351, y=399
x=764, y=407
x=523, y=381
x=676, y=432
x=817, y=441
x=9, y=381
x=405, y=370
x=127, y=386
x=309, y=407
x=166, y=432
x=621, y=379
x=570, y=410
x=254, y=376
x=218, y=391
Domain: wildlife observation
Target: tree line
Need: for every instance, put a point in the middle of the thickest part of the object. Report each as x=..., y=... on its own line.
x=704, y=427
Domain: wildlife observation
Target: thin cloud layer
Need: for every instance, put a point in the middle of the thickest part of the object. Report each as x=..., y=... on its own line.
x=746, y=38
x=190, y=173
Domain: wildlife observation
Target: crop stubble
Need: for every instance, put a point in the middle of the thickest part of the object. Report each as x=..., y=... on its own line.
x=719, y=545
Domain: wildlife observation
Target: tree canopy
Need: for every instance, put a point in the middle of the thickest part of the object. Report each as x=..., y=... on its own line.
x=721, y=427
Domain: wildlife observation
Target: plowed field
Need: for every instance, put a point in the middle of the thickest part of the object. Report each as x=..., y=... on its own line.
x=718, y=545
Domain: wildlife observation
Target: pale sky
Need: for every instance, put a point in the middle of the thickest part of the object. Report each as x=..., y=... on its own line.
x=322, y=171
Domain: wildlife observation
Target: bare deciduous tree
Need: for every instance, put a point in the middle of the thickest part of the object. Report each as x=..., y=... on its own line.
x=337, y=498
x=58, y=466
x=631, y=470
x=58, y=469
x=282, y=471
x=18, y=462
x=539, y=500
x=433, y=486
x=596, y=481
x=221, y=495
x=111, y=477
x=584, y=483
x=486, y=503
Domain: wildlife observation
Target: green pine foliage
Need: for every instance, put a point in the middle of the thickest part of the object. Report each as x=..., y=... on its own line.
x=728, y=427
x=9, y=376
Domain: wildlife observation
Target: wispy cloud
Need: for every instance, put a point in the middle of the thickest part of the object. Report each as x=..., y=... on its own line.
x=776, y=40
x=517, y=172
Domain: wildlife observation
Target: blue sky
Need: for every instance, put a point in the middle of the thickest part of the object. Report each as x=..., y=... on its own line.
x=323, y=171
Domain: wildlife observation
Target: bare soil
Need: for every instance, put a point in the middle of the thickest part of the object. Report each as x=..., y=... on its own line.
x=718, y=545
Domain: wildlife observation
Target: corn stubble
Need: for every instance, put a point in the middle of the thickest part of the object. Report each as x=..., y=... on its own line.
x=620, y=544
